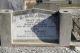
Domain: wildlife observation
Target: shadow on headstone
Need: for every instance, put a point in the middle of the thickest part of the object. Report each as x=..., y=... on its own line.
x=48, y=29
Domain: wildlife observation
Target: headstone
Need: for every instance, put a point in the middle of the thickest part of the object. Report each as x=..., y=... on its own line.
x=34, y=26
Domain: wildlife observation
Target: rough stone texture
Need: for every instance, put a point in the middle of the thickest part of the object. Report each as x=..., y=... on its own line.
x=38, y=50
